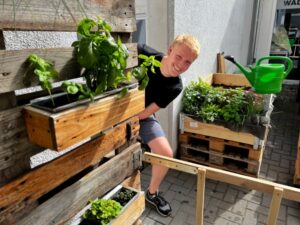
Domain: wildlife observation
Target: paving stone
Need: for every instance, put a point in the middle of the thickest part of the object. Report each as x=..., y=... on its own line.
x=179, y=219
x=258, y=208
x=292, y=220
x=293, y=211
x=250, y=197
x=180, y=189
x=230, y=195
x=148, y=221
x=284, y=163
x=231, y=217
x=250, y=217
x=222, y=221
x=239, y=207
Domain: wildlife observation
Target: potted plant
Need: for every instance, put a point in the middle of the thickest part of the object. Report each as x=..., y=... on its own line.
x=223, y=106
x=122, y=204
x=103, y=61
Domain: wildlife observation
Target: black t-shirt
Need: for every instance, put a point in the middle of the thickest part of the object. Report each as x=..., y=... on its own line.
x=160, y=89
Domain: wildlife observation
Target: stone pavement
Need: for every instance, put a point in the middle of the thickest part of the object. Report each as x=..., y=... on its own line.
x=232, y=205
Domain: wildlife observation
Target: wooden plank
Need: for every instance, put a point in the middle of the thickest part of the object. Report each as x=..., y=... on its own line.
x=132, y=212
x=82, y=121
x=297, y=165
x=41, y=180
x=275, y=206
x=8, y=100
x=65, y=15
x=60, y=208
x=193, y=126
x=231, y=80
x=200, y=196
x=15, y=150
x=262, y=185
x=13, y=65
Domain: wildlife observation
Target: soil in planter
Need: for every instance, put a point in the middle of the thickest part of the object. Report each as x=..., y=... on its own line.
x=123, y=196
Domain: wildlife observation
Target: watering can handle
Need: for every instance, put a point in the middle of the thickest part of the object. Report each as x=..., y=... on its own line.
x=289, y=61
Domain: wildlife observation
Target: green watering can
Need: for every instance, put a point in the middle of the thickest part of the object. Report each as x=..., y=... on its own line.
x=266, y=78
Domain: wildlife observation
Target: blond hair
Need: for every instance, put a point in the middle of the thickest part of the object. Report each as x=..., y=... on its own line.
x=189, y=40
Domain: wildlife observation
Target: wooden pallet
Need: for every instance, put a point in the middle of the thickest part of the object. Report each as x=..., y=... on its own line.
x=229, y=155
x=297, y=165
x=191, y=125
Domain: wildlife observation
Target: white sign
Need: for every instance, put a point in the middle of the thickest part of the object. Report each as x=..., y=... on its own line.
x=288, y=4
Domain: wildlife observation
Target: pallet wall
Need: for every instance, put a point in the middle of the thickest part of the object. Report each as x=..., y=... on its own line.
x=26, y=192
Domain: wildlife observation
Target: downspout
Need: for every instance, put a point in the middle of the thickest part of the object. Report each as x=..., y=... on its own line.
x=254, y=28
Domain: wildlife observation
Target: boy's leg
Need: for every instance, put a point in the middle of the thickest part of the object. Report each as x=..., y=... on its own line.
x=161, y=146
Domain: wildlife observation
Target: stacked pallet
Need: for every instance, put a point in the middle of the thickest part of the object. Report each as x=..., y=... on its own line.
x=98, y=145
x=219, y=146
x=297, y=165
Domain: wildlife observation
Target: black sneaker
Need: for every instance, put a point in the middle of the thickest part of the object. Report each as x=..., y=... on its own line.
x=161, y=205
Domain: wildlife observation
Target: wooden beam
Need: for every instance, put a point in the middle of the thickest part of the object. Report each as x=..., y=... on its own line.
x=265, y=186
x=41, y=180
x=64, y=205
x=65, y=15
x=275, y=205
x=14, y=66
x=201, y=177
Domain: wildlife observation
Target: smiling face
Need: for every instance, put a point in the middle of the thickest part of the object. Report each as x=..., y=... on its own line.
x=178, y=60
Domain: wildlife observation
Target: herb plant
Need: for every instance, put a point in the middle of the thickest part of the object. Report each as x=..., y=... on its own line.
x=45, y=72
x=102, y=211
x=124, y=196
x=103, y=59
x=233, y=105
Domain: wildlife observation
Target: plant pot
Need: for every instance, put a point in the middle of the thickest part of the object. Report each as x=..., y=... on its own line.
x=84, y=119
x=130, y=212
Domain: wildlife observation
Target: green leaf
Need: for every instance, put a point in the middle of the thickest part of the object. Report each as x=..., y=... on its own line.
x=85, y=27
x=123, y=92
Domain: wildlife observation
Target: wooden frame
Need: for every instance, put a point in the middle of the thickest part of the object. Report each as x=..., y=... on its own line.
x=278, y=191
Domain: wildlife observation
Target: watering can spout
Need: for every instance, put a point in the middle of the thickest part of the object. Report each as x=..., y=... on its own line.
x=249, y=74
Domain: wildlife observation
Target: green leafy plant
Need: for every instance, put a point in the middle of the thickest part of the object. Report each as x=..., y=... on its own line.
x=141, y=73
x=102, y=211
x=104, y=60
x=233, y=105
x=124, y=196
x=45, y=72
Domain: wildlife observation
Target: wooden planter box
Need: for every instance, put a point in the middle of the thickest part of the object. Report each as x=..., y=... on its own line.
x=130, y=213
x=237, y=149
x=60, y=130
x=256, y=137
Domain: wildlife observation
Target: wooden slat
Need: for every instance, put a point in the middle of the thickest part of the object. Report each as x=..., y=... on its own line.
x=231, y=80
x=290, y=193
x=275, y=206
x=13, y=65
x=200, y=196
x=15, y=150
x=193, y=126
x=72, y=199
x=33, y=185
x=132, y=212
x=65, y=15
